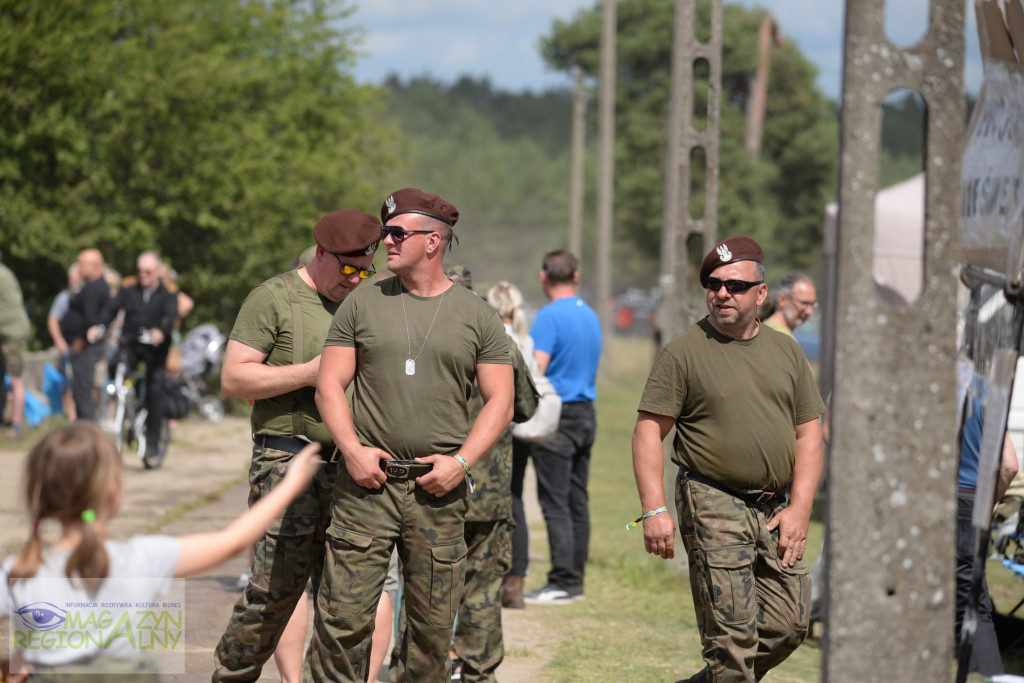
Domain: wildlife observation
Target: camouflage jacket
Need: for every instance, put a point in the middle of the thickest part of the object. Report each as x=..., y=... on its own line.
x=493, y=474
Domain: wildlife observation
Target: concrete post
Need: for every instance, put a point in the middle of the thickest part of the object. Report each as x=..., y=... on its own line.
x=891, y=503
x=606, y=166
x=675, y=313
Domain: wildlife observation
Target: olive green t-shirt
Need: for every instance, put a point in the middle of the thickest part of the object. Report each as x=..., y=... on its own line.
x=426, y=412
x=736, y=404
x=265, y=323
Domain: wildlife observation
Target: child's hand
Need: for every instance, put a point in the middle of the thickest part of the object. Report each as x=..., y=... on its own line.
x=305, y=464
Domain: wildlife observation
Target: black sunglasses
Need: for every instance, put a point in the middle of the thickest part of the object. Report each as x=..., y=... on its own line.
x=398, y=233
x=348, y=269
x=731, y=286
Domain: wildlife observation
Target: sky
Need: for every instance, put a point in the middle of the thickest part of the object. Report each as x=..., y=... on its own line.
x=500, y=40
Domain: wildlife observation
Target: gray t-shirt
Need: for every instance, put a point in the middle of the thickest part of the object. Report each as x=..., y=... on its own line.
x=63, y=623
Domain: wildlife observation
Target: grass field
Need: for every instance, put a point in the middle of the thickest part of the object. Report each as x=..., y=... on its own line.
x=637, y=621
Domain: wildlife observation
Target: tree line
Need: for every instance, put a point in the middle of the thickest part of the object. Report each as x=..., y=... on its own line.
x=216, y=132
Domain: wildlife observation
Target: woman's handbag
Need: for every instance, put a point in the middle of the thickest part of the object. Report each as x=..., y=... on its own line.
x=544, y=423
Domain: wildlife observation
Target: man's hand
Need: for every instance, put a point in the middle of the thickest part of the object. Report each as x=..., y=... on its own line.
x=312, y=368
x=363, y=464
x=445, y=476
x=660, y=535
x=792, y=525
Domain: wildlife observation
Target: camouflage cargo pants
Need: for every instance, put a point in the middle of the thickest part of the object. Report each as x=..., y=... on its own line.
x=478, y=635
x=284, y=560
x=752, y=613
x=365, y=525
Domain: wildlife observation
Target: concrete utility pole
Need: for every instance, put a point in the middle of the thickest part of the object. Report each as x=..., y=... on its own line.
x=579, y=122
x=677, y=226
x=768, y=37
x=606, y=167
x=891, y=503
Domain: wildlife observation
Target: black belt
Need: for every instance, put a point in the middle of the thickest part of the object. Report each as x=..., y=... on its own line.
x=404, y=469
x=753, y=497
x=291, y=444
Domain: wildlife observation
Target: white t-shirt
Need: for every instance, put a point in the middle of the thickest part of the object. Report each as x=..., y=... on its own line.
x=525, y=346
x=64, y=624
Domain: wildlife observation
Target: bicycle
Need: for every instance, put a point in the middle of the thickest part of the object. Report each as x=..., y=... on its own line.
x=123, y=412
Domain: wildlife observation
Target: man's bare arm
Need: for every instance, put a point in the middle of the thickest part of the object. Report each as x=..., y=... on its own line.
x=649, y=470
x=246, y=375
x=497, y=389
x=794, y=519
x=337, y=369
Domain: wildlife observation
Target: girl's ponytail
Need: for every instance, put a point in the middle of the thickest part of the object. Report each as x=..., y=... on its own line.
x=89, y=562
x=31, y=556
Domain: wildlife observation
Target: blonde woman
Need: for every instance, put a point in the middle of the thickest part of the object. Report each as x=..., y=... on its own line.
x=507, y=300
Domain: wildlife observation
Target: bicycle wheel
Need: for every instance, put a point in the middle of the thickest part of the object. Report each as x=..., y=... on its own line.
x=152, y=455
x=106, y=411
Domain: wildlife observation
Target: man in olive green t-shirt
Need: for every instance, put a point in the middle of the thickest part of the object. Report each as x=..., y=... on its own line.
x=272, y=358
x=745, y=409
x=412, y=345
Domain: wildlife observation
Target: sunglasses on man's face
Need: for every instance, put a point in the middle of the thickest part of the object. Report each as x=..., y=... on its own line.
x=398, y=233
x=731, y=286
x=347, y=269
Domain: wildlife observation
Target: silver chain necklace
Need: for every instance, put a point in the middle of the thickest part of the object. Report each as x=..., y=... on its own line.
x=410, y=363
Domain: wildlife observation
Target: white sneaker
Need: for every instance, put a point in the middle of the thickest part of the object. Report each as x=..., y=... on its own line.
x=548, y=595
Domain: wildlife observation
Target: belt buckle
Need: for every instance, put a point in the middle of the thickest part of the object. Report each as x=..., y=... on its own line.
x=765, y=497
x=395, y=471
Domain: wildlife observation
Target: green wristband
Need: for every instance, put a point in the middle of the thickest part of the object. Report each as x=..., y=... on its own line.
x=644, y=516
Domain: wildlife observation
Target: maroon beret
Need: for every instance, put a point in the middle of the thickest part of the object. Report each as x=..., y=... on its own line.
x=348, y=232
x=730, y=250
x=412, y=200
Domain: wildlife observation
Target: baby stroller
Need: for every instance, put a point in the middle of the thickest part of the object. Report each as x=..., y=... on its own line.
x=202, y=350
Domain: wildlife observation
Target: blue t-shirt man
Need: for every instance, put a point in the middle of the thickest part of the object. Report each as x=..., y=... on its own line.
x=567, y=347
x=569, y=331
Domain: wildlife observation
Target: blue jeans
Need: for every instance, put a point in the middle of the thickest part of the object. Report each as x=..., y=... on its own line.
x=563, y=467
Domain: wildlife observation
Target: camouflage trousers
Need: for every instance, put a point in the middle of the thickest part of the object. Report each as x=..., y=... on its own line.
x=284, y=560
x=365, y=525
x=478, y=635
x=751, y=611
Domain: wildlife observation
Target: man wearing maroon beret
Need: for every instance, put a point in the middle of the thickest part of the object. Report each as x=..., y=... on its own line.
x=745, y=409
x=272, y=358
x=412, y=345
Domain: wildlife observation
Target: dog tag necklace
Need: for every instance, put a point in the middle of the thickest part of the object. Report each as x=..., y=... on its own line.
x=410, y=362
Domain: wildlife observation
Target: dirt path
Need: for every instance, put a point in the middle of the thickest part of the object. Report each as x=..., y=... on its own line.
x=202, y=486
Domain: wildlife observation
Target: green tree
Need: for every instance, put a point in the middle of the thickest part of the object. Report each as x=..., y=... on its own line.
x=214, y=131
x=778, y=198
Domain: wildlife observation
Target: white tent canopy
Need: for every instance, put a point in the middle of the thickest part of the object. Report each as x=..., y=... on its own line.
x=898, y=267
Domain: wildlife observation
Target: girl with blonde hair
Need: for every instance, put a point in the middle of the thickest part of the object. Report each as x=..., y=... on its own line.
x=507, y=300
x=74, y=477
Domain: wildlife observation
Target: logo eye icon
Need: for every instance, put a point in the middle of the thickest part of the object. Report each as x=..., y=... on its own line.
x=42, y=616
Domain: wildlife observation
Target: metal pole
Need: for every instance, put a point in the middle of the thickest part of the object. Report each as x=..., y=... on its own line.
x=606, y=163
x=891, y=503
